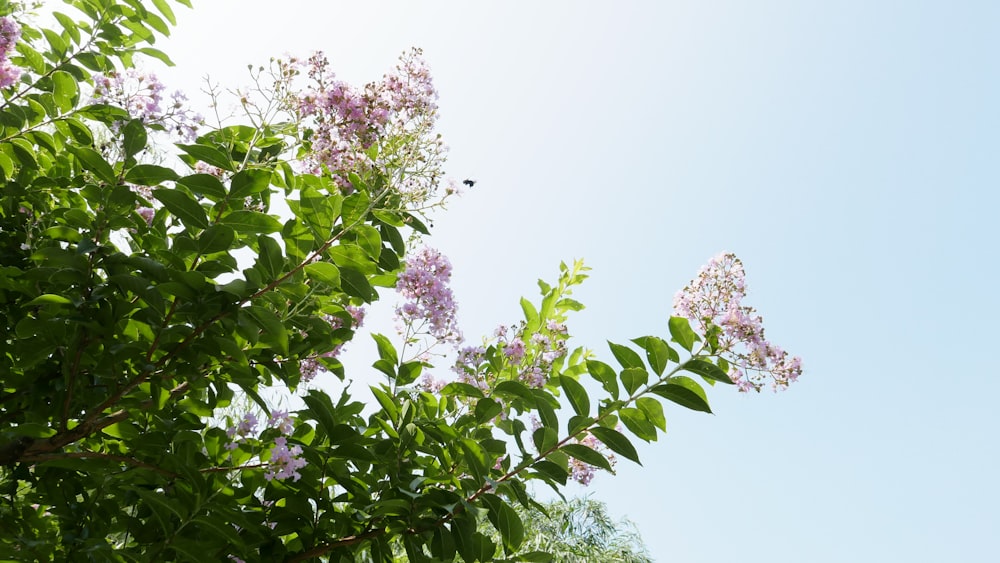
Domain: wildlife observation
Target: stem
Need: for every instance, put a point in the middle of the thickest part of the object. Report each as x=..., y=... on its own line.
x=43, y=457
x=343, y=542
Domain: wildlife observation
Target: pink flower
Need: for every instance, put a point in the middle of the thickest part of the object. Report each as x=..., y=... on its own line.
x=429, y=299
x=514, y=351
x=142, y=96
x=715, y=298
x=146, y=213
x=9, y=74
x=285, y=462
x=282, y=421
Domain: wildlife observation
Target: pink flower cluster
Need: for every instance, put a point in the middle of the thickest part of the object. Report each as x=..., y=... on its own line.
x=467, y=365
x=429, y=303
x=246, y=426
x=310, y=367
x=541, y=350
x=583, y=473
x=533, y=357
x=10, y=32
x=715, y=298
x=141, y=95
x=349, y=120
x=430, y=384
x=284, y=462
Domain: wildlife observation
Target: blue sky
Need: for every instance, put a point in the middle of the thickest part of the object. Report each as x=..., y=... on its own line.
x=846, y=151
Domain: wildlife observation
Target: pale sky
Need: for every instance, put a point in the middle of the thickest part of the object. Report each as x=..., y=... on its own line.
x=846, y=151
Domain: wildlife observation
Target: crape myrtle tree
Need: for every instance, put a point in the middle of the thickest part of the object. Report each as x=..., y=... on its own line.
x=146, y=282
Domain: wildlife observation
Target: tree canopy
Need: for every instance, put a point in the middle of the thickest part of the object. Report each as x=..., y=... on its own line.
x=147, y=281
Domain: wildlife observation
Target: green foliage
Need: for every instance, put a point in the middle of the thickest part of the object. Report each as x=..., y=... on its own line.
x=130, y=326
x=578, y=530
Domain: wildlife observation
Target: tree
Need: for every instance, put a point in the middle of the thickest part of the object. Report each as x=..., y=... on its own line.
x=580, y=530
x=147, y=284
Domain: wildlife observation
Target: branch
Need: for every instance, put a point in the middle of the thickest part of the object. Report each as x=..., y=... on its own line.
x=88, y=455
x=328, y=547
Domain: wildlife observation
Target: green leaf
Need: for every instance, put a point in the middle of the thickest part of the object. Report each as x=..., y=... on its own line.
x=69, y=25
x=322, y=409
x=680, y=331
x=368, y=240
x=552, y=471
x=637, y=423
x=633, y=379
x=220, y=528
x=653, y=411
x=530, y=315
x=356, y=284
x=514, y=389
x=616, y=441
x=505, y=520
x=32, y=57
x=351, y=256
x=149, y=175
x=658, y=352
x=249, y=182
x=156, y=54
x=576, y=394
x=160, y=504
x=459, y=389
x=134, y=137
x=94, y=162
x=386, y=350
x=567, y=304
x=7, y=166
x=386, y=367
x=324, y=272
x=272, y=329
x=122, y=429
x=56, y=42
x=486, y=410
x=475, y=458
x=354, y=208
x=215, y=239
x=605, y=375
x=270, y=260
x=408, y=372
x=64, y=90
x=587, y=455
x=49, y=299
x=578, y=423
x=251, y=222
x=183, y=206
x=34, y=112
x=707, y=370
x=204, y=184
x=106, y=114
x=208, y=155
x=682, y=396
x=32, y=430
x=442, y=545
x=165, y=9
x=80, y=132
x=544, y=439
x=626, y=356
x=319, y=210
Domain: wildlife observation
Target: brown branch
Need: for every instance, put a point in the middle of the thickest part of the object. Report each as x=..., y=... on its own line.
x=66, y=437
x=328, y=547
x=87, y=455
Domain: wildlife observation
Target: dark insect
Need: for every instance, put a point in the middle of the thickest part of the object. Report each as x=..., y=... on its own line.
x=469, y=183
